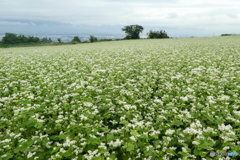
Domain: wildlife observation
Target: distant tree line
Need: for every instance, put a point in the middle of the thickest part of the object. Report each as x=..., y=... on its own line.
x=229, y=34
x=47, y=40
x=132, y=32
x=157, y=34
x=11, y=38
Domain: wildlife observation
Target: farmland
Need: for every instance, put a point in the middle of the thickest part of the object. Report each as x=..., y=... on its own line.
x=133, y=99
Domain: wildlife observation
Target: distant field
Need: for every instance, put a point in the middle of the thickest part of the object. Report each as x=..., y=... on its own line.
x=133, y=99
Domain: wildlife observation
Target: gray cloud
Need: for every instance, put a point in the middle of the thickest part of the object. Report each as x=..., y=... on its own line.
x=232, y=16
x=59, y=15
x=172, y=15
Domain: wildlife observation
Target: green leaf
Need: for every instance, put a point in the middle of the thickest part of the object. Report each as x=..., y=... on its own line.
x=203, y=154
x=208, y=143
x=140, y=143
x=66, y=154
x=53, y=151
x=171, y=151
x=196, y=152
x=134, y=133
x=203, y=146
x=110, y=137
x=184, y=154
x=130, y=147
x=54, y=137
x=62, y=136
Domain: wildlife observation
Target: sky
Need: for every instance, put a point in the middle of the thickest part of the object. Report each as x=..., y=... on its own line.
x=106, y=18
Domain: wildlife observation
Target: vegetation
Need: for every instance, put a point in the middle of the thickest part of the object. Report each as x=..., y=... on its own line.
x=178, y=99
x=229, y=34
x=59, y=40
x=23, y=44
x=105, y=40
x=93, y=39
x=47, y=40
x=132, y=31
x=157, y=34
x=76, y=39
x=11, y=38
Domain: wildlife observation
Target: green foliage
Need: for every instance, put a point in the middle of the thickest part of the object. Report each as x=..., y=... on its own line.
x=55, y=43
x=47, y=40
x=133, y=99
x=93, y=39
x=128, y=37
x=157, y=34
x=59, y=40
x=22, y=44
x=76, y=39
x=74, y=42
x=85, y=42
x=229, y=34
x=133, y=31
x=101, y=40
x=11, y=38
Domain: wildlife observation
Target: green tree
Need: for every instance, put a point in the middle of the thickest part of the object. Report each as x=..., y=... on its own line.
x=132, y=31
x=157, y=34
x=49, y=40
x=59, y=40
x=10, y=38
x=93, y=39
x=76, y=39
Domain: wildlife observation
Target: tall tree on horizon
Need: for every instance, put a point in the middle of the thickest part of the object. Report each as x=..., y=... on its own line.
x=132, y=31
x=93, y=39
x=59, y=40
x=76, y=39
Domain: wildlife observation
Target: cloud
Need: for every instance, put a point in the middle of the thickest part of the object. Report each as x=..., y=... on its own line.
x=13, y=23
x=172, y=15
x=232, y=16
x=198, y=14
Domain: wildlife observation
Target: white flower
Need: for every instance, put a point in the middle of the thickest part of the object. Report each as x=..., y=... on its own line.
x=184, y=98
x=158, y=101
x=102, y=145
x=225, y=148
x=195, y=142
x=169, y=132
x=5, y=155
x=133, y=138
x=184, y=150
x=30, y=154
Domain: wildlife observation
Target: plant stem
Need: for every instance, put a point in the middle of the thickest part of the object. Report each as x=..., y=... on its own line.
x=134, y=149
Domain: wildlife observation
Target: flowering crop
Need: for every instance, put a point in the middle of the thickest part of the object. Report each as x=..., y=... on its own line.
x=142, y=99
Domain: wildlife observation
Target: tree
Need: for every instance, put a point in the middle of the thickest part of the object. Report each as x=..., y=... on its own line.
x=76, y=39
x=157, y=34
x=47, y=40
x=59, y=40
x=133, y=31
x=93, y=39
x=10, y=38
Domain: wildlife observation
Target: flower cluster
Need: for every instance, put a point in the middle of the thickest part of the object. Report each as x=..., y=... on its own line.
x=174, y=99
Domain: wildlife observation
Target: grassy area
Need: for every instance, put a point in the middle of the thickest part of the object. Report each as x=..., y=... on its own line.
x=138, y=99
x=22, y=45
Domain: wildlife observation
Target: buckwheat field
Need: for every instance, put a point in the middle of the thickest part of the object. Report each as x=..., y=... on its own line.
x=121, y=100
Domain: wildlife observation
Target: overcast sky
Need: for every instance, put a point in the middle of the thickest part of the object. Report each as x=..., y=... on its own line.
x=102, y=17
